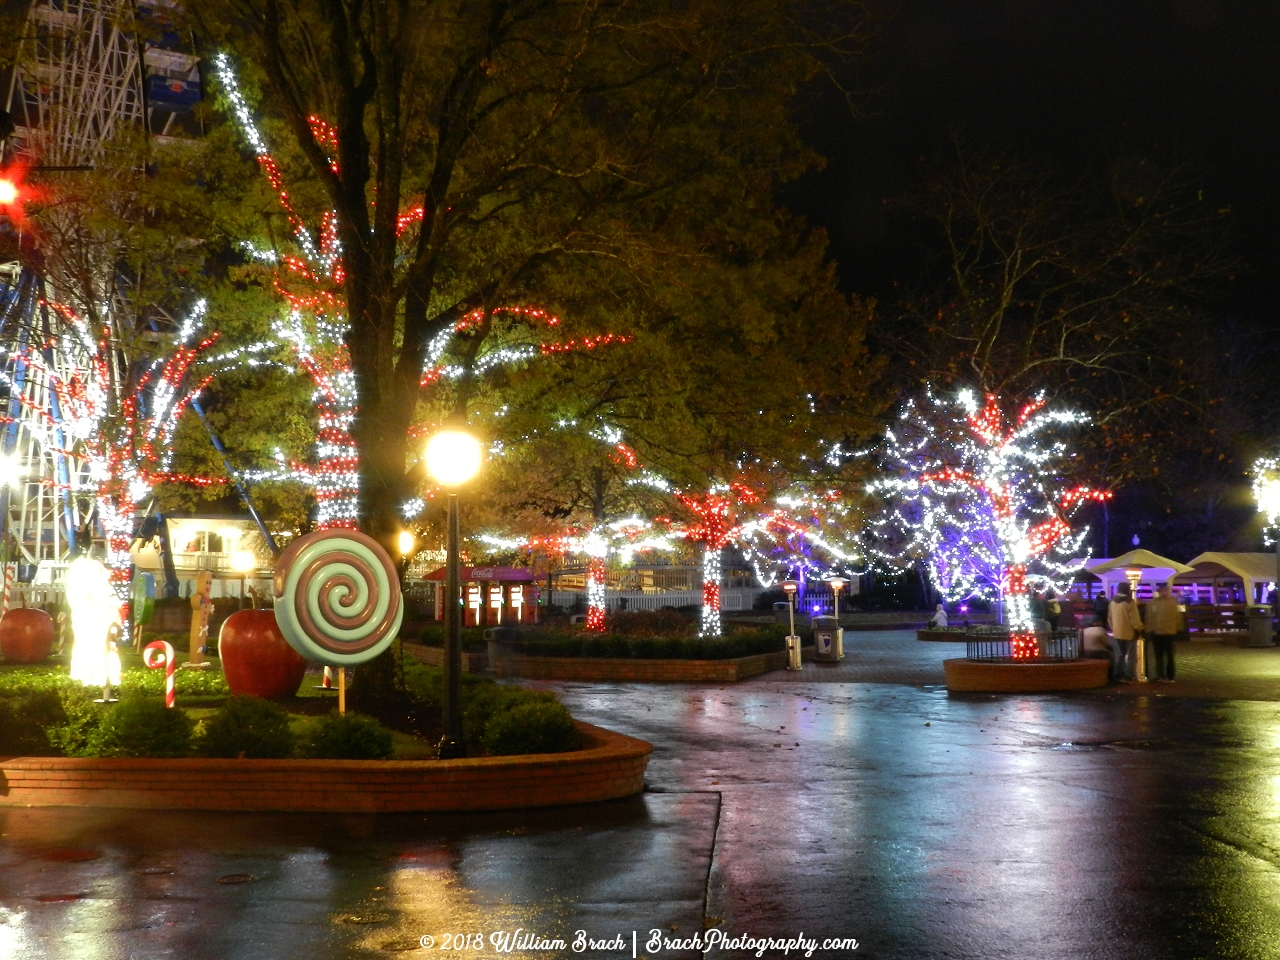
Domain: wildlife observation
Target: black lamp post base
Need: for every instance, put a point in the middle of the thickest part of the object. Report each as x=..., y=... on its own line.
x=451, y=748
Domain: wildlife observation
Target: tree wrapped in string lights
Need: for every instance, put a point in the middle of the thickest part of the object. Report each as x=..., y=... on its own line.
x=788, y=536
x=118, y=422
x=312, y=280
x=622, y=538
x=984, y=501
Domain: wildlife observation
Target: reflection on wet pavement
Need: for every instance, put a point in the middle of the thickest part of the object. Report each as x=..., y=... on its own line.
x=921, y=824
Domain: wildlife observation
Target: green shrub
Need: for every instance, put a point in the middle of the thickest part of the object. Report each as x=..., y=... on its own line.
x=246, y=727
x=82, y=717
x=346, y=737
x=21, y=679
x=426, y=684
x=484, y=702
x=649, y=623
x=142, y=727
x=472, y=638
x=531, y=726
x=25, y=722
x=737, y=643
x=186, y=683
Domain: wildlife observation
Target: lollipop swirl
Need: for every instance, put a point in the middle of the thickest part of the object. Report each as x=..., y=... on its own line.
x=337, y=597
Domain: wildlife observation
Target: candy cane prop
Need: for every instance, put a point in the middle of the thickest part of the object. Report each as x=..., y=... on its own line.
x=8, y=586
x=159, y=653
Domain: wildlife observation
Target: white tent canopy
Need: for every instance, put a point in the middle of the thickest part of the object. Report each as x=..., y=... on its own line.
x=1254, y=570
x=1155, y=569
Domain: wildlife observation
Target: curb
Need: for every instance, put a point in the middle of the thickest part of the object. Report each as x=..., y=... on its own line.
x=611, y=766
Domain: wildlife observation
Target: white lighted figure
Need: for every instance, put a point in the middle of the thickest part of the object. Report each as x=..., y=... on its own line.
x=95, y=609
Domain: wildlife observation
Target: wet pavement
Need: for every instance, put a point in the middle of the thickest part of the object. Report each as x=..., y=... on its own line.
x=1119, y=824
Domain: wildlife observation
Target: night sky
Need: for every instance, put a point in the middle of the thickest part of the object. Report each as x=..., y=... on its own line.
x=1073, y=83
x=1069, y=81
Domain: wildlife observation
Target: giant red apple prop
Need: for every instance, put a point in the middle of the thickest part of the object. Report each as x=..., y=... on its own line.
x=256, y=658
x=26, y=635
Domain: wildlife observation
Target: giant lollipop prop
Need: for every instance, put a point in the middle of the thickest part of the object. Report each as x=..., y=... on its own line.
x=337, y=597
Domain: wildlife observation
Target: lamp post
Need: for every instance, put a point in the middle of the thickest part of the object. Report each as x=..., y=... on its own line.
x=836, y=584
x=1134, y=576
x=453, y=457
x=243, y=562
x=793, y=642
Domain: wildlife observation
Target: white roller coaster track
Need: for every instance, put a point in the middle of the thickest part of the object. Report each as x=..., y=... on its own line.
x=77, y=84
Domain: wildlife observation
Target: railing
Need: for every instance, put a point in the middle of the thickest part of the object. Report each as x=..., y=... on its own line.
x=992, y=645
x=731, y=600
x=1204, y=620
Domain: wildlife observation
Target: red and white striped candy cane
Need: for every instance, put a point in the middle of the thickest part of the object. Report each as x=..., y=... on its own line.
x=9, y=571
x=327, y=683
x=159, y=653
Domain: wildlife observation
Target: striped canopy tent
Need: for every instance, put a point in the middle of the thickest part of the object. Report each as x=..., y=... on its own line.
x=1255, y=572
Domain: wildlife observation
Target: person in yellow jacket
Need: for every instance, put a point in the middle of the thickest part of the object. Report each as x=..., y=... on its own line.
x=1125, y=623
x=1164, y=623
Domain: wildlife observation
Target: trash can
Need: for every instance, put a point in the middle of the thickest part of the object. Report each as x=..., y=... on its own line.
x=828, y=640
x=500, y=644
x=793, y=653
x=1260, y=627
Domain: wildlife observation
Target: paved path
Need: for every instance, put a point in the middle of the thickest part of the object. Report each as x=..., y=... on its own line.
x=1204, y=669
x=838, y=803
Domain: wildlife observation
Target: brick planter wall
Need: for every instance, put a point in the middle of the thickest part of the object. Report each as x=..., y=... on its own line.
x=642, y=671
x=976, y=676
x=434, y=657
x=611, y=766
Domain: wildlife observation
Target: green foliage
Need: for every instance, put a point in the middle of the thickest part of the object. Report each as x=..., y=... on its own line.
x=25, y=721
x=143, y=681
x=472, y=637
x=246, y=727
x=740, y=643
x=549, y=726
x=346, y=737
x=649, y=623
x=28, y=679
x=73, y=737
x=141, y=727
x=531, y=726
x=483, y=702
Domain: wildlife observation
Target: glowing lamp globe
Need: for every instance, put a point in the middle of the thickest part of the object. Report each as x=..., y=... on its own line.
x=453, y=457
x=244, y=561
x=407, y=541
x=790, y=587
x=8, y=193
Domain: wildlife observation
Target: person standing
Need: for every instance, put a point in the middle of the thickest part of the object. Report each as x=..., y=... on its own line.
x=1052, y=608
x=1125, y=623
x=1164, y=623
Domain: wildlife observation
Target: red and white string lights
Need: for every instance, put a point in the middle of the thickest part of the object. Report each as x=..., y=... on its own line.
x=983, y=499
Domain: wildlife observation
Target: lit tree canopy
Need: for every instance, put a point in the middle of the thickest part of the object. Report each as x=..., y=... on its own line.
x=984, y=499
x=609, y=163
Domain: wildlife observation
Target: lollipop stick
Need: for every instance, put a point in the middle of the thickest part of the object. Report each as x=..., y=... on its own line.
x=342, y=690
